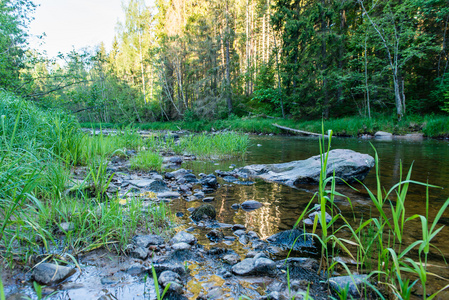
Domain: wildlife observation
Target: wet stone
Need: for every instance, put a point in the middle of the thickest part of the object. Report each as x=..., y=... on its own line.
x=136, y=269
x=183, y=237
x=147, y=240
x=109, y=280
x=230, y=179
x=215, y=235
x=251, y=205
x=174, y=267
x=238, y=227
x=181, y=246
x=139, y=253
x=339, y=283
x=204, y=212
x=208, y=199
x=49, y=274
x=239, y=232
x=253, y=235
x=179, y=214
x=173, y=278
x=231, y=259
x=317, y=214
x=235, y=206
x=254, y=266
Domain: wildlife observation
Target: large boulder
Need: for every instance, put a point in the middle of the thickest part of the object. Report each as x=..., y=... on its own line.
x=348, y=165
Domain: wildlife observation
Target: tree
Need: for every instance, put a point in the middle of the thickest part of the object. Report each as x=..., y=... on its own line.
x=14, y=19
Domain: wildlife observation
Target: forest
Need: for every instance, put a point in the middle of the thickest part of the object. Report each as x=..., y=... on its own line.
x=208, y=60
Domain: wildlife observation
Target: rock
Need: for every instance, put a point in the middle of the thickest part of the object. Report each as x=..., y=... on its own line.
x=252, y=235
x=172, y=278
x=215, y=235
x=239, y=232
x=145, y=241
x=243, y=239
x=183, y=237
x=49, y=274
x=339, y=283
x=181, y=246
x=235, y=206
x=188, y=178
x=238, y=227
x=179, y=214
x=294, y=239
x=254, y=266
x=139, y=253
x=230, y=179
x=175, y=160
x=174, y=267
x=199, y=195
x=210, y=181
x=65, y=227
x=231, y=259
x=251, y=205
x=383, y=134
x=204, y=212
x=156, y=186
x=208, y=199
x=168, y=195
x=317, y=214
x=109, y=280
x=136, y=269
x=184, y=188
x=348, y=165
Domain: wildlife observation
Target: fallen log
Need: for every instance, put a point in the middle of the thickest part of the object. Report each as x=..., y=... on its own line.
x=297, y=130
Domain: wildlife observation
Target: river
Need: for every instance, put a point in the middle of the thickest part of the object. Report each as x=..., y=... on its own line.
x=283, y=205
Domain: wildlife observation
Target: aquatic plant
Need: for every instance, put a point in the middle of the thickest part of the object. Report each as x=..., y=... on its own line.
x=378, y=241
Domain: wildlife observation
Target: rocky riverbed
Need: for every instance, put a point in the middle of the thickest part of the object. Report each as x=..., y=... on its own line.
x=234, y=262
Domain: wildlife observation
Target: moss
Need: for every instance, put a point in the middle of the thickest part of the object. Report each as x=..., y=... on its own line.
x=204, y=212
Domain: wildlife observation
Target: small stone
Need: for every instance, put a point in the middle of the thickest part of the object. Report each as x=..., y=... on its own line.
x=231, y=259
x=183, y=237
x=253, y=266
x=109, y=280
x=49, y=274
x=239, y=232
x=251, y=205
x=172, y=278
x=136, y=269
x=253, y=235
x=339, y=283
x=147, y=240
x=208, y=199
x=238, y=227
x=235, y=206
x=204, y=212
x=215, y=235
x=179, y=214
x=139, y=253
x=181, y=246
x=317, y=214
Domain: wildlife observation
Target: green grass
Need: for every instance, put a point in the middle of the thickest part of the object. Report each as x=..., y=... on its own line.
x=377, y=244
x=431, y=126
x=218, y=146
x=146, y=161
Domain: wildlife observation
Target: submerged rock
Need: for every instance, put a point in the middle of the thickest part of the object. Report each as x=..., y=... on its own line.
x=251, y=205
x=354, y=290
x=49, y=274
x=348, y=165
x=204, y=212
x=215, y=235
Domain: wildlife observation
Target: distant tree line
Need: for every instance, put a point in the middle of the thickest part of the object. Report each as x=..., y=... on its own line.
x=186, y=59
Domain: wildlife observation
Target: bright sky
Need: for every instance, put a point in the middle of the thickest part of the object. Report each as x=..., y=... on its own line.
x=75, y=24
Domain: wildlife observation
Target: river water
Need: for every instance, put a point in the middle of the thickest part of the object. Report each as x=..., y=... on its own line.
x=283, y=205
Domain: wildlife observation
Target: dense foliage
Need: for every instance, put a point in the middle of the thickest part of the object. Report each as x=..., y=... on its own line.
x=190, y=60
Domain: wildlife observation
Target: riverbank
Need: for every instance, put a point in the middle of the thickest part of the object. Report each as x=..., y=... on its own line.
x=429, y=126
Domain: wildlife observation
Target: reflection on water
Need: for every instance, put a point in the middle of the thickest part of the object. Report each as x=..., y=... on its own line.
x=283, y=205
